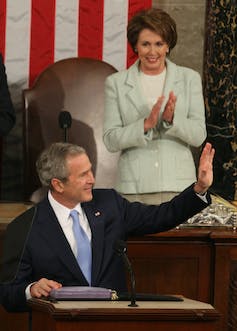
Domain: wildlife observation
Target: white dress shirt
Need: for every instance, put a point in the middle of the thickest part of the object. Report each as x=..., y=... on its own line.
x=63, y=215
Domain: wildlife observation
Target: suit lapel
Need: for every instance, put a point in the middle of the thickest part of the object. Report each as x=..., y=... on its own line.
x=50, y=229
x=134, y=91
x=96, y=221
x=171, y=80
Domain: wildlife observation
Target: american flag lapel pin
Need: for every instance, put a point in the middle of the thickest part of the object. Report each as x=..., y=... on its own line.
x=97, y=213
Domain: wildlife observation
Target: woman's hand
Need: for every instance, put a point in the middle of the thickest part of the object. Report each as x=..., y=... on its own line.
x=168, y=113
x=151, y=121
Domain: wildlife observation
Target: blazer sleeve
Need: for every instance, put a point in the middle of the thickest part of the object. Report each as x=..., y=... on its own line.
x=141, y=219
x=119, y=135
x=189, y=124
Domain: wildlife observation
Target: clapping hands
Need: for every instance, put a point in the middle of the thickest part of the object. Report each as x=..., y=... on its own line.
x=168, y=114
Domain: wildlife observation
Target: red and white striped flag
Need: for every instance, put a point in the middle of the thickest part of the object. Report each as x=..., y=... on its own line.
x=36, y=33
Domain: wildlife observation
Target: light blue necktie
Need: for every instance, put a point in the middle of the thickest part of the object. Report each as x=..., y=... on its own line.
x=84, y=257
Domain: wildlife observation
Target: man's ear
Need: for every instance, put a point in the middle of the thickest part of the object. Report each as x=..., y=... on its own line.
x=57, y=185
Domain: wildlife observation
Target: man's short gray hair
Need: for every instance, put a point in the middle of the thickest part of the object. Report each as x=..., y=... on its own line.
x=52, y=162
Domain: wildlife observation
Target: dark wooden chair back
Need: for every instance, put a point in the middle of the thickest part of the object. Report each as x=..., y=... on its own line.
x=75, y=85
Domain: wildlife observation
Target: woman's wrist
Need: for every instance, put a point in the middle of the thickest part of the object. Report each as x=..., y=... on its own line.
x=146, y=126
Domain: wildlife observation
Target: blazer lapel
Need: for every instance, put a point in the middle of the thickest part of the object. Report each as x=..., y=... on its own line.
x=134, y=91
x=50, y=229
x=96, y=221
x=171, y=80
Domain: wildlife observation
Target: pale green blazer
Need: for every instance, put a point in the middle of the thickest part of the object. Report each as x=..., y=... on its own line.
x=160, y=160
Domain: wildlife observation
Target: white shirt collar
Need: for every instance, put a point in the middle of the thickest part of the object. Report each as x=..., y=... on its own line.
x=61, y=211
x=63, y=215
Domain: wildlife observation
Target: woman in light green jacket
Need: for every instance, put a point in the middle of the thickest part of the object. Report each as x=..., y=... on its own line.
x=154, y=114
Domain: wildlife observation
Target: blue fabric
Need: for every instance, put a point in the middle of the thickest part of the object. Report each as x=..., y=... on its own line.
x=84, y=257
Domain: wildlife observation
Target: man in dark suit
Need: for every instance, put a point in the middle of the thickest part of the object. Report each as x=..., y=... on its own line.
x=7, y=112
x=48, y=258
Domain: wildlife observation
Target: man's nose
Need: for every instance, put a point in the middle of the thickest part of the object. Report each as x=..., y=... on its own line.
x=91, y=178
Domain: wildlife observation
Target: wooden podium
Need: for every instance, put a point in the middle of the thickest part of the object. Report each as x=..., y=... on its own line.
x=186, y=315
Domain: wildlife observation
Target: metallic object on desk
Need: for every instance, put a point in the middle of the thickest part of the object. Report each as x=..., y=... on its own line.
x=219, y=213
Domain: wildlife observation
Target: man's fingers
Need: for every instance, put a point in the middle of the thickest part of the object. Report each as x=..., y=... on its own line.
x=43, y=287
x=208, y=152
